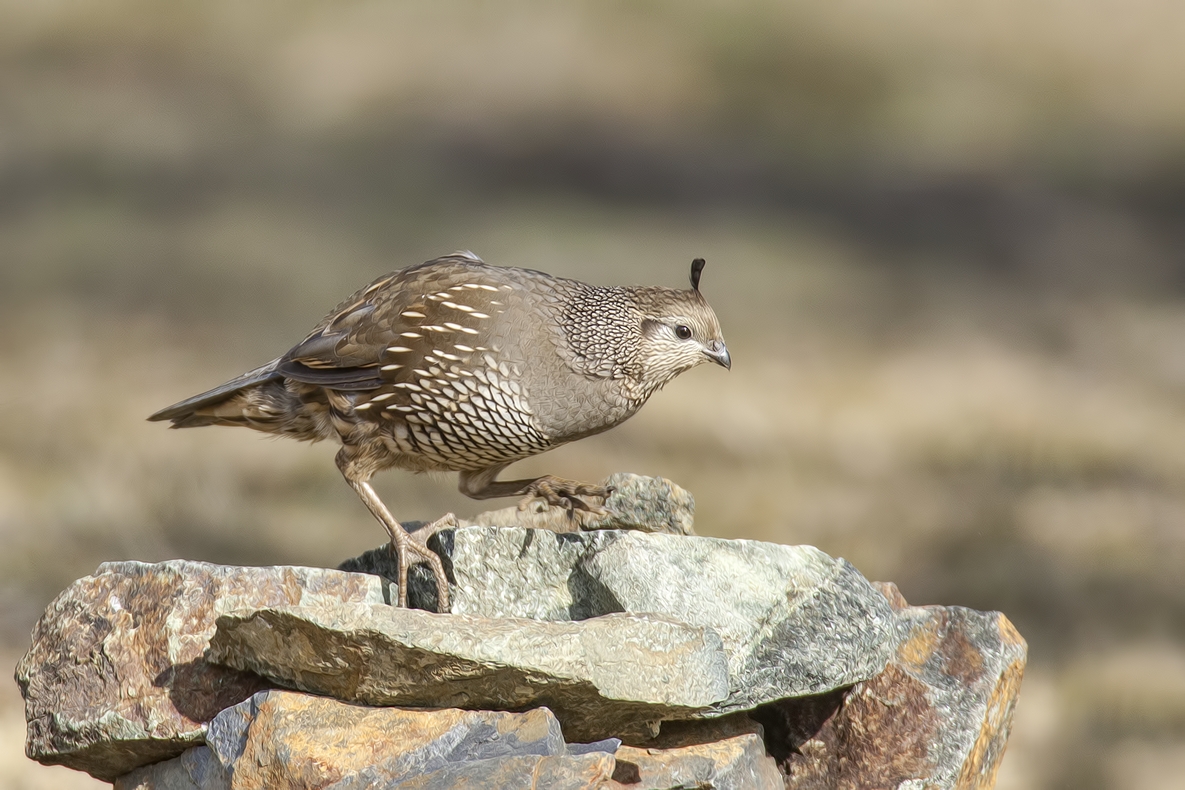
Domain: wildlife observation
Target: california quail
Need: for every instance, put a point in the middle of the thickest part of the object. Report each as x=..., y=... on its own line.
x=460, y=366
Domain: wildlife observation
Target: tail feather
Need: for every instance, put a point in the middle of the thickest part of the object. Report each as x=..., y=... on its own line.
x=202, y=409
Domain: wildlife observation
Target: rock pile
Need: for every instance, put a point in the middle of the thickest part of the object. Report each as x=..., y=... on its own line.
x=627, y=653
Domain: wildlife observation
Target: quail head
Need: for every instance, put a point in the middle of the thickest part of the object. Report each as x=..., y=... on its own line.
x=457, y=365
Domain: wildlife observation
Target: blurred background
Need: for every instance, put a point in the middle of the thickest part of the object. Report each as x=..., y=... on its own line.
x=946, y=243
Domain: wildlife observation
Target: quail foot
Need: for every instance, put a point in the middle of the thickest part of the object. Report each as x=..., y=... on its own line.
x=457, y=365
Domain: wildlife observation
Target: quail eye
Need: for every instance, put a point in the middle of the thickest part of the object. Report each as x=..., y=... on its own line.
x=682, y=331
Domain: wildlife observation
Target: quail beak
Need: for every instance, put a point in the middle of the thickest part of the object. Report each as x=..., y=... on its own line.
x=718, y=353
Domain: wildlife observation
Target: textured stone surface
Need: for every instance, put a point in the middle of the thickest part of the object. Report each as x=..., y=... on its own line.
x=609, y=676
x=284, y=740
x=938, y=716
x=793, y=620
x=195, y=769
x=737, y=763
x=115, y=677
x=561, y=772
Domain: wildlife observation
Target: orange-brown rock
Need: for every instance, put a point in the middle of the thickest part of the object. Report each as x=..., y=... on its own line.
x=285, y=740
x=559, y=772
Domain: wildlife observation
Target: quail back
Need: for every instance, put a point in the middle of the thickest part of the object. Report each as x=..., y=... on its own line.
x=457, y=365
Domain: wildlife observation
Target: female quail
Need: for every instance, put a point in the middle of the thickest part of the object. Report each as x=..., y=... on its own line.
x=460, y=366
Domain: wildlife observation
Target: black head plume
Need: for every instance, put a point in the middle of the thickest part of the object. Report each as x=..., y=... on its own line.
x=697, y=268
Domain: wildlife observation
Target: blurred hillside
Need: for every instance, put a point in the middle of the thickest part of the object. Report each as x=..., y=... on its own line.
x=946, y=244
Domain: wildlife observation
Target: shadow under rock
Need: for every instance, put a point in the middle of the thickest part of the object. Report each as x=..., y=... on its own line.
x=789, y=723
x=200, y=690
x=590, y=596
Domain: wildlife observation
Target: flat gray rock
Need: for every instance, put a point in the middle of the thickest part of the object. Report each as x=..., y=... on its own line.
x=617, y=675
x=115, y=677
x=793, y=620
x=643, y=504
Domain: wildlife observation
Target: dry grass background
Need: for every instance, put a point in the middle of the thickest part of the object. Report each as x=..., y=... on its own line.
x=945, y=243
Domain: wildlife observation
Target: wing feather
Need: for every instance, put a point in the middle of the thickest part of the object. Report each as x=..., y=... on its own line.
x=395, y=319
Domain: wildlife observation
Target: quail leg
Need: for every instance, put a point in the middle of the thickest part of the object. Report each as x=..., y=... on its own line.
x=555, y=491
x=404, y=545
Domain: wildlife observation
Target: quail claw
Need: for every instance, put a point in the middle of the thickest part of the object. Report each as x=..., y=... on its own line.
x=568, y=494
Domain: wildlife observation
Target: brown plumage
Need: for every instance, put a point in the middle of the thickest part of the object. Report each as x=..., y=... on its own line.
x=456, y=365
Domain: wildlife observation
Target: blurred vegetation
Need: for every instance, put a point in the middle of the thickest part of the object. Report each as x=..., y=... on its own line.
x=945, y=243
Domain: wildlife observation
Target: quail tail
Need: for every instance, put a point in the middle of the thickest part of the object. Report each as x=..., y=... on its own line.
x=196, y=411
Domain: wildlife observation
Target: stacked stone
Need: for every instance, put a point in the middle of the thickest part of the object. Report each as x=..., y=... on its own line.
x=626, y=654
